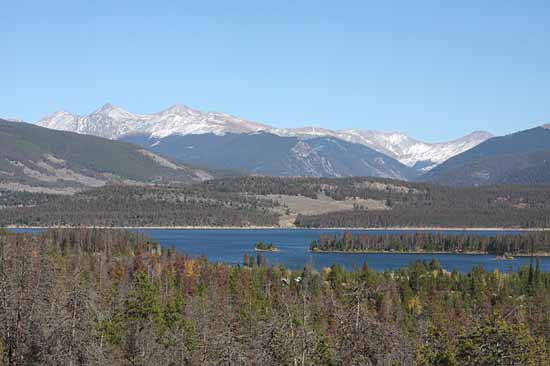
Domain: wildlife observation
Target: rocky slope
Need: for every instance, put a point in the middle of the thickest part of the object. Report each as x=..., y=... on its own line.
x=265, y=153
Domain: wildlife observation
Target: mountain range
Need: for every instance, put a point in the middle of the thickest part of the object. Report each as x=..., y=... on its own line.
x=519, y=158
x=264, y=153
x=34, y=158
x=169, y=145
x=113, y=122
x=409, y=151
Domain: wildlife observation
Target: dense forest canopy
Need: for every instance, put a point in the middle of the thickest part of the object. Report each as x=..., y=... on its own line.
x=256, y=201
x=429, y=218
x=108, y=297
x=400, y=194
x=529, y=243
x=123, y=205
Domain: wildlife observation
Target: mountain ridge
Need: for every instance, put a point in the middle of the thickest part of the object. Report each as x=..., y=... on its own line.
x=397, y=145
x=264, y=153
x=113, y=122
x=34, y=158
x=521, y=157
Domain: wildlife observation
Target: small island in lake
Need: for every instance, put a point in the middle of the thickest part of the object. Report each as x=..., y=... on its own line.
x=505, y=257
x=265, y=247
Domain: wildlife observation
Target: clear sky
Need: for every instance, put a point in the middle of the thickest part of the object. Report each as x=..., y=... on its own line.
x=435, y=70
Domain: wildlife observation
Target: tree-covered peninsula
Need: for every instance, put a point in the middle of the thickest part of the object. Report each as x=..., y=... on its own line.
x=526, y=243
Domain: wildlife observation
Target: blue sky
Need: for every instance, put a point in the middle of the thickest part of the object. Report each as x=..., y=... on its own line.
x=435, y=70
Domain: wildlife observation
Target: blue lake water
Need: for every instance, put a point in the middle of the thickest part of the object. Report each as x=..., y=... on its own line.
x=231, y=245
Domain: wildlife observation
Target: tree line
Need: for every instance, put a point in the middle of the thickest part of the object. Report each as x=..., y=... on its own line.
x=397, y=194
x=126, y=205
x=23, y=199
x=529, y=243
x=457, y=218
x=242, y=201
x=108, y=297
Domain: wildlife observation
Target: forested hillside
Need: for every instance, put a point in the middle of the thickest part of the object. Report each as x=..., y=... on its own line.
x=38, y=159
x=306, y=202
x=406, y=203
x=96, y=297
x=423, y=218
x=519, y=158
x=123, y=205
x=270, y=154
x=398, y=193
x=530, y=243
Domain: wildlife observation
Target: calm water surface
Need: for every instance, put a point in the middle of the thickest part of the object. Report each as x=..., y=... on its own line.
x=230, y=246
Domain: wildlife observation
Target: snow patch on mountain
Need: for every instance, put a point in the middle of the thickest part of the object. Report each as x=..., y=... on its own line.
x=112, y=122
x=9, y=119
x=407, y=150
x=410, y=151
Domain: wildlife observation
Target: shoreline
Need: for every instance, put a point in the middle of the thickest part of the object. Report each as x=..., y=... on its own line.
x=543, y=254
x=394, y=228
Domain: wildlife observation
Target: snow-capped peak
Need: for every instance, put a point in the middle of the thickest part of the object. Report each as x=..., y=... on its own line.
x=106, y=108
x=478, y=135
x=309, y=131
x=179, y=109
x=60, y=120
x=407, y=150
x=112, y=122
x=10, y=119
x=114, y=112
x=411, y=151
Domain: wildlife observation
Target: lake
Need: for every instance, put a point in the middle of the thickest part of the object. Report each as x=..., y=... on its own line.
x=230, y=246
